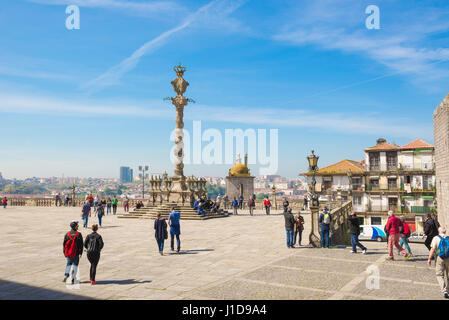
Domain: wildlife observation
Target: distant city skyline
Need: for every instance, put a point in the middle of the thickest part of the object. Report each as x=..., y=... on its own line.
x=84, y=102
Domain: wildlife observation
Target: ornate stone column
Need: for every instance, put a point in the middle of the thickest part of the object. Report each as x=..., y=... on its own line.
x=179, y=85
x=314, y=239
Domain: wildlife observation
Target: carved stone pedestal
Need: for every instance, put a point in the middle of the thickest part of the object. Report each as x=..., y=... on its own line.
x=314, y=237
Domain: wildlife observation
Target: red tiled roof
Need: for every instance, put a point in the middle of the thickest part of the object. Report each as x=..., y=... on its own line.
x=384, y=146
x=342, y=167
x=417, y=144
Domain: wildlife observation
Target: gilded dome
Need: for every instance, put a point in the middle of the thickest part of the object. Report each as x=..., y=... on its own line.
x=239, y=170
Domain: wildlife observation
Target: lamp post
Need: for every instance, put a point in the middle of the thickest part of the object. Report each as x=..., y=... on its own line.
x=73, y=195
x=314, y=208
x=143, y=175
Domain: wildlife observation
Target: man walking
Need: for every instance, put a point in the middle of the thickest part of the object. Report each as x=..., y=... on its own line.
x=73, y=249
x=430, y=230
x=354, y=230
x=393, y=227
x=289, y=226
x=440, y=246
x=175, y=228
x=5, y=202
x=226, y=201
x=325, y=220
x=235, y=205
x=241, y=202
x=267, y=205
x=251, y=205
x=85, y=213
x=114, y=205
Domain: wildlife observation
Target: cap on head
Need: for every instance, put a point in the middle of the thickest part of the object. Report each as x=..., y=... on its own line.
x=73, y=224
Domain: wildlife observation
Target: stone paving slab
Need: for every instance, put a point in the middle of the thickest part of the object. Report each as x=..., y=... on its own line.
x=240, y=257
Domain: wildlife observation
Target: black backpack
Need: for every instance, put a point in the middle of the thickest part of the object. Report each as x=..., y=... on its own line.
x=92, y=247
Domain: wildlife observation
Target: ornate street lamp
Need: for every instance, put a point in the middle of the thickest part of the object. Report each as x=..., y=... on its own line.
x=313, y=166
x=143, y=175
x=314, y=208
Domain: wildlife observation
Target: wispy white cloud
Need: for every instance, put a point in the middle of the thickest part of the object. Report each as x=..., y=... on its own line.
x=402, y=45
x=34, y=74
x=215, y=12
x=148, y=7
x=331, y=121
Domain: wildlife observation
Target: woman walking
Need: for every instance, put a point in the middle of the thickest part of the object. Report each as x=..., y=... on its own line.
x=160, y=228
x=93, y=244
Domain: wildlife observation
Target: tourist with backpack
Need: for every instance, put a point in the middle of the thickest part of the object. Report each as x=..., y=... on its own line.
x=93, y=244
x=354, y=230
x=85, y=213
x=100, y=212
x=404, y=235
x=440, y=247
x=430, y=230
x=325, y=220
x=251, y=205
x=175, y=228
x=393, y=227
x=289, y=226
x=267, y=205
x=114, y=205
x=160, y=232
x=235, y=206
x=72, y=249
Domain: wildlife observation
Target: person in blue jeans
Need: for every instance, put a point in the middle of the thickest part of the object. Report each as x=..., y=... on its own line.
x=72, y=262
x=160, y=232
x=289, y=226
x=175, y=228
x=86, y=211
x=354, y=230
x=100, y=212
x=325, y=220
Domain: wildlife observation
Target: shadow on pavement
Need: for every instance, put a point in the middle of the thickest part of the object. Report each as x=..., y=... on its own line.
x=190, y=251
x=18, y=291
x=121, y=282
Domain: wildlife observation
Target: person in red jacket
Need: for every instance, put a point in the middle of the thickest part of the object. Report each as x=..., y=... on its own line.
x=393, y=227
x=4, y=202
x=404, y=235
x=267, y=205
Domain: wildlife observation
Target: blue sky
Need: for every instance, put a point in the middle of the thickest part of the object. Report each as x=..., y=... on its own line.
x=84, y=102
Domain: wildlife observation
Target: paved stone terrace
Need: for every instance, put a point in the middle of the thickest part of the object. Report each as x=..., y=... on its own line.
x=240, y=257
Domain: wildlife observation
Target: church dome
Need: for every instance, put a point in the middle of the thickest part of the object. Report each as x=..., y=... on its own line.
x=239, y=170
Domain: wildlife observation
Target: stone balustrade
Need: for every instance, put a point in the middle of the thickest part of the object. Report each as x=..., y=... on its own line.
x=339, y=226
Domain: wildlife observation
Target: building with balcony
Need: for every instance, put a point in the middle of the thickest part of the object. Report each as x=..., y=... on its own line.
x=344, y=179
x=400, y=178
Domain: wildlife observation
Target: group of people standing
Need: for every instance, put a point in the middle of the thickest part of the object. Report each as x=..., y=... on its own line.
x=294, y=226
